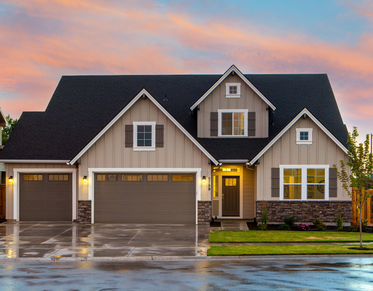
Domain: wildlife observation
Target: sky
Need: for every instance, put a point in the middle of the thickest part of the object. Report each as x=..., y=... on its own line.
x=41, y=40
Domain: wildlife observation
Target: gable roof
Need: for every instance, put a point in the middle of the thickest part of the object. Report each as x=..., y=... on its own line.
x=232, y=69
x=82, y=106
x=142, y=93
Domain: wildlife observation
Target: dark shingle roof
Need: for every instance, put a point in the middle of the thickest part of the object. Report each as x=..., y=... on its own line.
x=82, y=105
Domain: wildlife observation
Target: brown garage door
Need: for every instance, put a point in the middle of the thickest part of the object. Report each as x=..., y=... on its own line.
x=145, y=198
x=45, y=197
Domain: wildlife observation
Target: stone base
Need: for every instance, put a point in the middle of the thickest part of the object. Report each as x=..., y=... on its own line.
x=84, y=211
x=204, y=212
x=305, y=211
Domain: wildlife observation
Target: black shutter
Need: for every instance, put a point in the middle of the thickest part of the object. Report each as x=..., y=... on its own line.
x=275, y=182
x=129, y=136
x=332, y=183
x=251, y=124
x=159, y=129
x=214, y=123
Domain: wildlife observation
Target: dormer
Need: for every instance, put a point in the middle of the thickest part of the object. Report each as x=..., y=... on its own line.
x=233, y=108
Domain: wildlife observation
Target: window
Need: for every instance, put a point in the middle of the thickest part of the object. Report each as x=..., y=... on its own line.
x=230, y=182
x=58, y=177
x=32, y=177
x=232, y=123
x=233, y=90
x=144, y=136
x=304, y=135
x=107, y=177
x=157, y=178
x=304, y=182
x=132, y=178
x=182, y=178
x=215, y=185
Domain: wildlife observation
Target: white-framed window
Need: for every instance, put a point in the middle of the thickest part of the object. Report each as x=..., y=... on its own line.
x=304, y=135
x=232, y=90
x=232, y=122
x=304, y=182
x=144, y=136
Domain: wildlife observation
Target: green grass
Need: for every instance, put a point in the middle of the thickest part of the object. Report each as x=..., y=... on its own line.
x=285, y=236
x=284, y=250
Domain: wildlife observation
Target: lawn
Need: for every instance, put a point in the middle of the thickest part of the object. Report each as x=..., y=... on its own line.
x=285, y=236
x=285, y=250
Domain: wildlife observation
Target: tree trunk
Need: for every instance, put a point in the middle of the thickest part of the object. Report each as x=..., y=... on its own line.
x=361, y=229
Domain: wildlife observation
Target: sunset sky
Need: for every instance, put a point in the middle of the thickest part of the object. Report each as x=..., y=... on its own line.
x=41, y=40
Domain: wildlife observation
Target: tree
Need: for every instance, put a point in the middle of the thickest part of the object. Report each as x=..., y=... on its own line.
x=7, y=130
x=359, y=177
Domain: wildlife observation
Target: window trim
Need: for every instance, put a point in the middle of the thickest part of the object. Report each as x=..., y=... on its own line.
x=299, y=130
x=304, y=181
x=238, y=95
x=143, y=148
x=245, y=111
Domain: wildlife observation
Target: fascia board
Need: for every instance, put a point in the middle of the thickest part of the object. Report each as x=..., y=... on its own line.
x=291, y=123
x=9, y=161
x=124, y=110
x=222, y=78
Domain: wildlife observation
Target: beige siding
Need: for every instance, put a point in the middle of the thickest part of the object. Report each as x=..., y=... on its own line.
x=109, y=151
x=248, y=193
x=322, y=151
x=217, y=100
x=9, y=187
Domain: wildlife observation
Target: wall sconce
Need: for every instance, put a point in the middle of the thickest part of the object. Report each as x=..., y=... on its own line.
x=10, y=179
x=204, y=179
x=85, y=180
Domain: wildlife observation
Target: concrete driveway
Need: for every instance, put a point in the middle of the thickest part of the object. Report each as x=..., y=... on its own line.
x=85, y=241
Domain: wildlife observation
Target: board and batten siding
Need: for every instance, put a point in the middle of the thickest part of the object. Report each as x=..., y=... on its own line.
x=217, y=100
x=248, y=193
x=109, y=151
x=322, y=151
x=9, y=187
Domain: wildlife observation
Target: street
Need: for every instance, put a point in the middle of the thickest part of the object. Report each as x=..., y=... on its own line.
x=264, y=273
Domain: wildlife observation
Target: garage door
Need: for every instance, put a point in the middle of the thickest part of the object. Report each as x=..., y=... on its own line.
x=45, y=197
x=145, y=198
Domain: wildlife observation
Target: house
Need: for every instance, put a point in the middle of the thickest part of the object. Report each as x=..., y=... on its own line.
x=179, y=149
x=3, y=123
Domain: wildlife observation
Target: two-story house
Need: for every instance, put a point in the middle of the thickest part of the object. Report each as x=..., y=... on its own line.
x=179, y=149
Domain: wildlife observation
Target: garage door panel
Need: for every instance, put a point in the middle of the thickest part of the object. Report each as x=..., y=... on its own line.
x=145, y=201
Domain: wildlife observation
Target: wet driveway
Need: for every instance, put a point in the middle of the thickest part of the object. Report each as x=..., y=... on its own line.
x=57, y=240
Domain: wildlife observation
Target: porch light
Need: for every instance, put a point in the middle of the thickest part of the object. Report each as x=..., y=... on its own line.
x=85, y=180
x=204, y=179
x=10, y=179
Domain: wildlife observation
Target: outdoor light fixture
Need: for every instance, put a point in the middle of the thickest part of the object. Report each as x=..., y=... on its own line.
x=204, y=179
x=85, y=180
x=10, y=179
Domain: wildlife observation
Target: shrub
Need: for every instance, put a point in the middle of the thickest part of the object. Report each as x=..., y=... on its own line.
x=364, y=224
x=262, y=226
x=264, y=217
x=303, y=226
x=353, y=228
x=319, y=225
x=284, y=227
x=289, y=220
x=339, y=220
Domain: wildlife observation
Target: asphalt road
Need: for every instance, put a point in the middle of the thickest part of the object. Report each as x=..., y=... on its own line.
x=267, y=273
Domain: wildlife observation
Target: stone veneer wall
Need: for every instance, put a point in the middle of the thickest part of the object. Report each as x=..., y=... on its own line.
x=305, y=211
x=204, y=212
x=84, y=211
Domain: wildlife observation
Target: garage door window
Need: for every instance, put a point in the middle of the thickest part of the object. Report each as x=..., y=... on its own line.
x=58, y=177
x=132, y=178
x=33, y=177
x=108, y=177
x=182, y=178
x=157, y=178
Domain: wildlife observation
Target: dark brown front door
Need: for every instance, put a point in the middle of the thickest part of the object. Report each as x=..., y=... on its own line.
x=2, y=201
x=231, y=196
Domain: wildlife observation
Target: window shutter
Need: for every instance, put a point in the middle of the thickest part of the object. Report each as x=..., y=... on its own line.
x=275, y=183
x=251, y=124
x=129, y=136
x=332, y=183
x=214, y=123
x=159, y=129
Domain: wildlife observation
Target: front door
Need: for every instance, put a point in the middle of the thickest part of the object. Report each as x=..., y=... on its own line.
x=231, y=196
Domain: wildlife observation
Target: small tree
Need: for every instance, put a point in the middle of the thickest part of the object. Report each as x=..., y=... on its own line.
x=359, y=177
x=7, y=130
